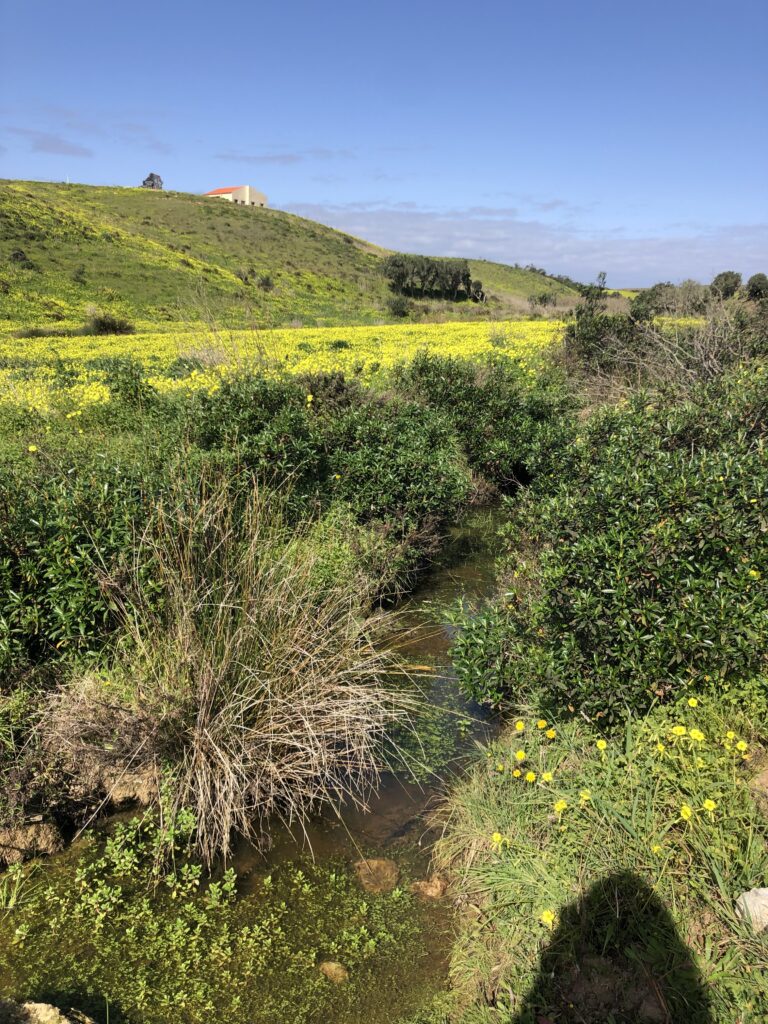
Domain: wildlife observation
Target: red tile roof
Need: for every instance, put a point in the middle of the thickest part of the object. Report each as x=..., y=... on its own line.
x=223, y=191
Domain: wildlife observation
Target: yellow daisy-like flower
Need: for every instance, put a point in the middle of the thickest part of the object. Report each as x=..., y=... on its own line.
x=660, y=748
x=692, y=702
x=519, y=725
x=32, y=448
x=585, y=796
x=730, y=735
x=696, y=734
x=541, y=724
x=560, y=806
x=310, y=399
x=709, y=805
x=496, y=838
x=519, y=755
x=546, y=777
x=686, y=812
x=741, y=746
x=548, y=919
x=500, y=767
x=656, y=848
x=517, y=773
x=679, y=730
x=530, y=776
x=550, y=734
x=601, y=744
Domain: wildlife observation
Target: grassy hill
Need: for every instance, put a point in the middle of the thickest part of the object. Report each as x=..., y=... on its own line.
x=155, y=257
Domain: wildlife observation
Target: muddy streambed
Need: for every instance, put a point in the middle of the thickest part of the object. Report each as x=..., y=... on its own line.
x=84, y=934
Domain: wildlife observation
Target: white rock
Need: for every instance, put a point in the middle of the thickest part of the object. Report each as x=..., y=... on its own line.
x=752, y=906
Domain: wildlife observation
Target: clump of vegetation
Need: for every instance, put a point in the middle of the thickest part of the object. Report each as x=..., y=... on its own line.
x=424, y=276
x=258, y=685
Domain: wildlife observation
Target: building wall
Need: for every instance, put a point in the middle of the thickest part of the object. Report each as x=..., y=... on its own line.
x=245, y=196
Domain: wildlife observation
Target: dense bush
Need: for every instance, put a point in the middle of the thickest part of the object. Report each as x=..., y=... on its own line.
x=511, y=426
x=726, y=283
x=757, y=287
x=650, y=561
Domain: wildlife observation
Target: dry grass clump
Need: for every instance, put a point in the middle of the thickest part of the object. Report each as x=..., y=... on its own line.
x=261, y=687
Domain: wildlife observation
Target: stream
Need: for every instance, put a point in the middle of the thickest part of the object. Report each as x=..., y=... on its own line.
x=403, y=979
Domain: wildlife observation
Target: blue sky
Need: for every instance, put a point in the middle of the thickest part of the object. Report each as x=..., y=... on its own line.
x=625, y=137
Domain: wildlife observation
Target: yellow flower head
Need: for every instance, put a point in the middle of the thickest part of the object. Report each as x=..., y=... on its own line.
x=519, y=725
x=730, y=735
x=32, y=448
x=496, y=838
x=656, y=848
x=517, y=773
x=686, y=812
x=560, y=806
x=550, y=734
x=530, y=776
x=679, y=730
x=696, y=734
x=546, y=777
x=548, y=919
x=585, y=796
x=660, y=748
x=519, y=755
x=709, y=805
x=541, y=724
x=692, y=702
x=741, y=746
x=310, y=399
x=500, y=767
x=601, y=744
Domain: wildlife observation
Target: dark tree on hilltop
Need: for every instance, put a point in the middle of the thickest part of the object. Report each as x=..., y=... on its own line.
x=757, y=287
x=726, y=284
x=424, y=277
x=152, y=181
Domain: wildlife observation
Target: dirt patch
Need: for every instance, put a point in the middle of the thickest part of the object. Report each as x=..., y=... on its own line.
x=21, y=842
x=377, y=874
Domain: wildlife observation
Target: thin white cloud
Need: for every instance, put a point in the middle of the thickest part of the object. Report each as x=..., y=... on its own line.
x=50, y=142
x=285, y=157
x=498, y=233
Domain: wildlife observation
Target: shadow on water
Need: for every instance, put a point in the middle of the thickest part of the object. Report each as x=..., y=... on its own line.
x=616, y=956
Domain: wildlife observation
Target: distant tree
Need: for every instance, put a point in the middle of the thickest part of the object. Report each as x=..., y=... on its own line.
x=426, y=277
x=757, y=287
x=650, y=302
x=726, y=284
x=153, y=181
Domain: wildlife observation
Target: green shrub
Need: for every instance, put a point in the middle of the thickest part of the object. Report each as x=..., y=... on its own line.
x=510, y=425
x=757, y=287
x=649, y=562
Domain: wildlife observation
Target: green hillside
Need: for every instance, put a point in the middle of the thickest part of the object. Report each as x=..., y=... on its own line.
x=157, y=257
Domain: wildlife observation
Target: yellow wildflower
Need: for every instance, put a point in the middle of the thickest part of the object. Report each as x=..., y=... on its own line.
x=601, y=745
x=519, y=755
x=560, y=806
x=310, y=399
x=541, y=724
x=679, y=730
x=585, y=796
x=546, y=777
x=660, y=748
x=548, y=919
x=730, y=735
x=32, y=448
x=519, y=725
x=696, y=734
x=530, y=776
x=741, y=746
x=686, y=812
x=517, y=773
x=692, y=702
x=709, y=805
x=550, y=734
x=500, y=766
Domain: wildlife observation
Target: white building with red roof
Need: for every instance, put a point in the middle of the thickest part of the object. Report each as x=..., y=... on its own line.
x=241, y=195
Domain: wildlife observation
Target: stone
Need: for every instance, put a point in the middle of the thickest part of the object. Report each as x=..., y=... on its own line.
x=21, y=842
x=752, y=906
x=377, y=874
x=334, y=971
x=432, y=888
x=759, y=787
x=137, y=787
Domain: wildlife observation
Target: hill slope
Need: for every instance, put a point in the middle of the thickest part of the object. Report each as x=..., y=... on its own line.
x=170, y=256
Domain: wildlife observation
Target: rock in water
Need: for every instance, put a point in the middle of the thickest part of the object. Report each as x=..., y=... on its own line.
x=377, y=874
x=432, y=888
x=752, y=906
x=334, y=971
x=21, y=842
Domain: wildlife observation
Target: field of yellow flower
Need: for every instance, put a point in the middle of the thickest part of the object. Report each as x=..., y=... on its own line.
x=71, y=373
